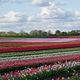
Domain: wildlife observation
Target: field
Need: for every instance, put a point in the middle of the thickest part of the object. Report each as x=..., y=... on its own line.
x=39, y=58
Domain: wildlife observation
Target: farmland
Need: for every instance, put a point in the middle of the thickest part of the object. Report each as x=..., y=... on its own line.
x=39, y=40
x=29, y=58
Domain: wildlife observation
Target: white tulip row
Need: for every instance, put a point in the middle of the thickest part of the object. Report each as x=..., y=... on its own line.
x=38, y=56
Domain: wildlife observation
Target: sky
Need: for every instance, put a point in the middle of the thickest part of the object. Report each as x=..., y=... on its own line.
x=27, y=15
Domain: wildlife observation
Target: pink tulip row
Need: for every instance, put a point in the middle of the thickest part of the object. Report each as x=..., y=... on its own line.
x=40, y=69
x=39, y=39
x=37, y=61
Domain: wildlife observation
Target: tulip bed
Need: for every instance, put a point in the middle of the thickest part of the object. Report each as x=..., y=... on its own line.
x=41, y=52
x=37, y=61
x=40, y=59
x=26, y=44
x=41, y=68
x=41, y=47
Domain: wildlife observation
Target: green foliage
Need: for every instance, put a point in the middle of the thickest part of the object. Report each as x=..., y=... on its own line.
x=39, y=34
x=75, y=78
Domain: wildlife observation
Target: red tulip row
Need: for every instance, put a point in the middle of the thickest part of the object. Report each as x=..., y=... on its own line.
x=41, y=47
x=37, y=61
x=4, y=44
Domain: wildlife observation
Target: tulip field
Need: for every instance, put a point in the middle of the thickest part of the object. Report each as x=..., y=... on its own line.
x=40, y=58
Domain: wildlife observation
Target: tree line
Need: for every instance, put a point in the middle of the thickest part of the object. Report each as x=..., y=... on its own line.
x=39, y=34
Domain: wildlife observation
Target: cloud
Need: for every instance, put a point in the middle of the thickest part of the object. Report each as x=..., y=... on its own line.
x=50, y=17
x=53, y=17
x=36, y=1
x=30, y=18
x=12, y=1
x=76, y=14
x=13, y=21
x=41, y=3
x=11, y=17
x=51, y=12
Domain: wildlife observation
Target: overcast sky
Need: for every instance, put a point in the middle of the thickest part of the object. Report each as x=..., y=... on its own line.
x=27, y=15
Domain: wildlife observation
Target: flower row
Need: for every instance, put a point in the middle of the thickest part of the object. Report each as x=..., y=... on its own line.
x=41, y=47
x=38, y=70
x=37, y=61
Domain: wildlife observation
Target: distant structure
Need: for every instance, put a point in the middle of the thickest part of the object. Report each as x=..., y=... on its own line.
x=78, y=31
